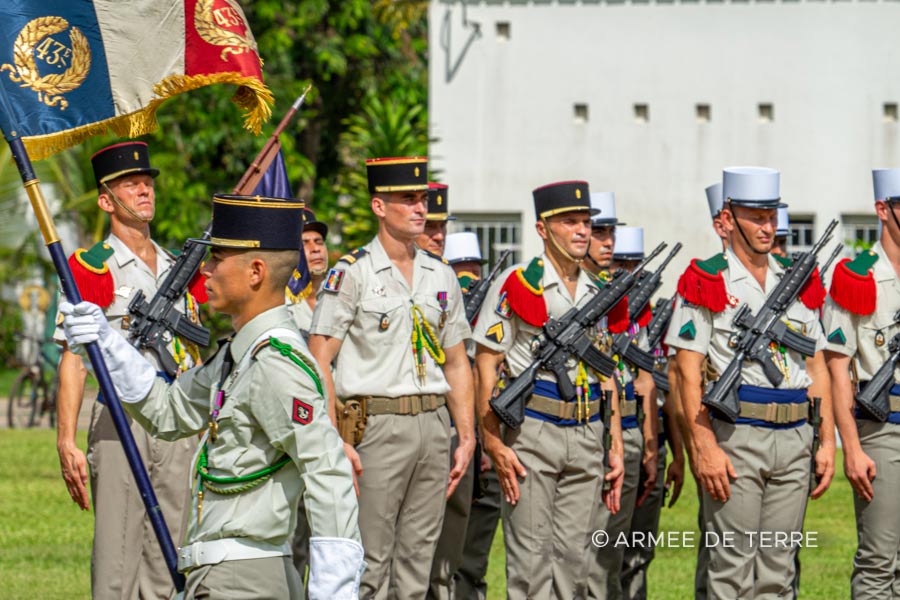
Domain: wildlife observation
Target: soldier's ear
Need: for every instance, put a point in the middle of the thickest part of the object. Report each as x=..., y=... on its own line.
x=104, y=201
x=378, y=205
x=541, y=227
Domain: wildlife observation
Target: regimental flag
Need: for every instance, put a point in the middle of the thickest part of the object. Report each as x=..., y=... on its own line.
x=71, y=69
x=275, y=184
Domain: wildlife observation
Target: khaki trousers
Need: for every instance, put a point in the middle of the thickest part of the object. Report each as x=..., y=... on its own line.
x=547, y=533
x=646, y=520
x=605, y=576
x=402, y=490
x=484, y=515
x=769, y=495
x=252, y=579
x=448, y=555
x=126, y=561
x=876, y=569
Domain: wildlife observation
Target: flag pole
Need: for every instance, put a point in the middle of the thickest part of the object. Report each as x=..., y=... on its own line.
x=54, y=247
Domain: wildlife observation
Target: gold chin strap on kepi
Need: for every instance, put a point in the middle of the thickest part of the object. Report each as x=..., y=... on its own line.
x=123, y=207
x=556, y=245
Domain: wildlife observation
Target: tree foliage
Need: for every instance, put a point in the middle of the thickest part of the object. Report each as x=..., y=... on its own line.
x=367, y=64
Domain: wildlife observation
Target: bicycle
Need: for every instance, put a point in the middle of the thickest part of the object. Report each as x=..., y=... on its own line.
x=33, y=392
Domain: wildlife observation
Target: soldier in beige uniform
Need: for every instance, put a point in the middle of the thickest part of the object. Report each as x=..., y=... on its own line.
x=302, y=302
x=391, y=318
x=448, y=554
x=640, y=453
x=860, y=321
x=754, y=472
x=262, y=407
x=126, y=561
x=551, y=468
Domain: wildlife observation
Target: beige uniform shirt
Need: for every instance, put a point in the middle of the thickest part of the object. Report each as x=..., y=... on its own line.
x=713, y=330
x=302, y=314
x=368, y=305
x=863, y=333
x=272, y=407
x=503, y=331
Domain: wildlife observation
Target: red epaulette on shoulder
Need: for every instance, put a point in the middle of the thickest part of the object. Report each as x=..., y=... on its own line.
x=525, y=294
x=643, y=319
x=702, y=284
x=617, y=320
x=92, y=276
x=197, y=289
x=813, y=293
x=853, y=285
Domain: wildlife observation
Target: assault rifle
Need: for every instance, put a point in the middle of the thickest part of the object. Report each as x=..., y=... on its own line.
x=623, y=345
x=875, y=397
x=563, y=339
x=754, y=334
x=153, y=324
x=479, y=289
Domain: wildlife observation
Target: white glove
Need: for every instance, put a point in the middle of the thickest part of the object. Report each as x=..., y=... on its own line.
x=130, y=372
x=335, y=568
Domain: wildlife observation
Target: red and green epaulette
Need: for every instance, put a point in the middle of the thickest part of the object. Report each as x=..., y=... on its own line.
x=813, y=293
x=853, y=285
x=466, y=280
x=92, y=275
x=525, y=294
x=702, y=283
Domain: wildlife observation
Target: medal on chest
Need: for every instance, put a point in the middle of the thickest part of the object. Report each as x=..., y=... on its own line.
x=442, y=300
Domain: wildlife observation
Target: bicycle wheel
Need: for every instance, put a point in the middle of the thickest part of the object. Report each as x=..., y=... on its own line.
x=21, y=411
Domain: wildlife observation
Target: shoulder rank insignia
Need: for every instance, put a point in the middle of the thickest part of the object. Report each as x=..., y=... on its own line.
x=495, y=332
x=812, y=295
x=837, y=337
x=353, y=256
x=435, y=256
x=525, y=294
x=334, y=280
x=92, y=275
x=853, y=285
x=688, y=331
x=703, y=284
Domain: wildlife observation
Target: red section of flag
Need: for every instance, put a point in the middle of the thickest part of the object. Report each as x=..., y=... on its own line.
x=218, y=39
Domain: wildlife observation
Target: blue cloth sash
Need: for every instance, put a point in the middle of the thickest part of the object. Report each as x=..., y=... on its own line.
x=764, y=395
x=631, y=421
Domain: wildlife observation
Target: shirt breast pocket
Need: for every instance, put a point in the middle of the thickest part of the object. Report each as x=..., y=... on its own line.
x=381, y=314
x=878, y=329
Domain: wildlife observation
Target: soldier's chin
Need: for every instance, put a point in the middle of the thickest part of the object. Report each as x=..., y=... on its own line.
x=318, y=272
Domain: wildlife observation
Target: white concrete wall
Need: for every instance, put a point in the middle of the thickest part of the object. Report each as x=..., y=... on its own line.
x=504, y=118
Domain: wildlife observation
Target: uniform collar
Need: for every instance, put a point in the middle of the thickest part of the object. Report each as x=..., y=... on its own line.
x=551, y=278
x=123, y=255
x=737, y=271
x=381, y=261
x=882, y=269
x=255, y=327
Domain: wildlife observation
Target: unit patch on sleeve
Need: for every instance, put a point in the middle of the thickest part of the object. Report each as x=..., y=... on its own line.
x=303, y=412
x=495, y=332
x=334, y=280
x=837, y=337
x=503, y=308
x=688, y=331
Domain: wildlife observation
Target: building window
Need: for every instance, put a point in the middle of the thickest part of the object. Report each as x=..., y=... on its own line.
x=802, y=233
x=496, y=233
x=581, y=113
x=503, y=30
x=860, y=232
x=641, y=113
x=766, y=113
x=704, y=113
x=890, y=112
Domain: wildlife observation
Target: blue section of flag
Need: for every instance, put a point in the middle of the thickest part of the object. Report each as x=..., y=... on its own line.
x=73, y=56
x=275, y=184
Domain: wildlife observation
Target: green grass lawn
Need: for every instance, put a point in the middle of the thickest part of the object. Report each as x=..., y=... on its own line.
x=45, y=541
